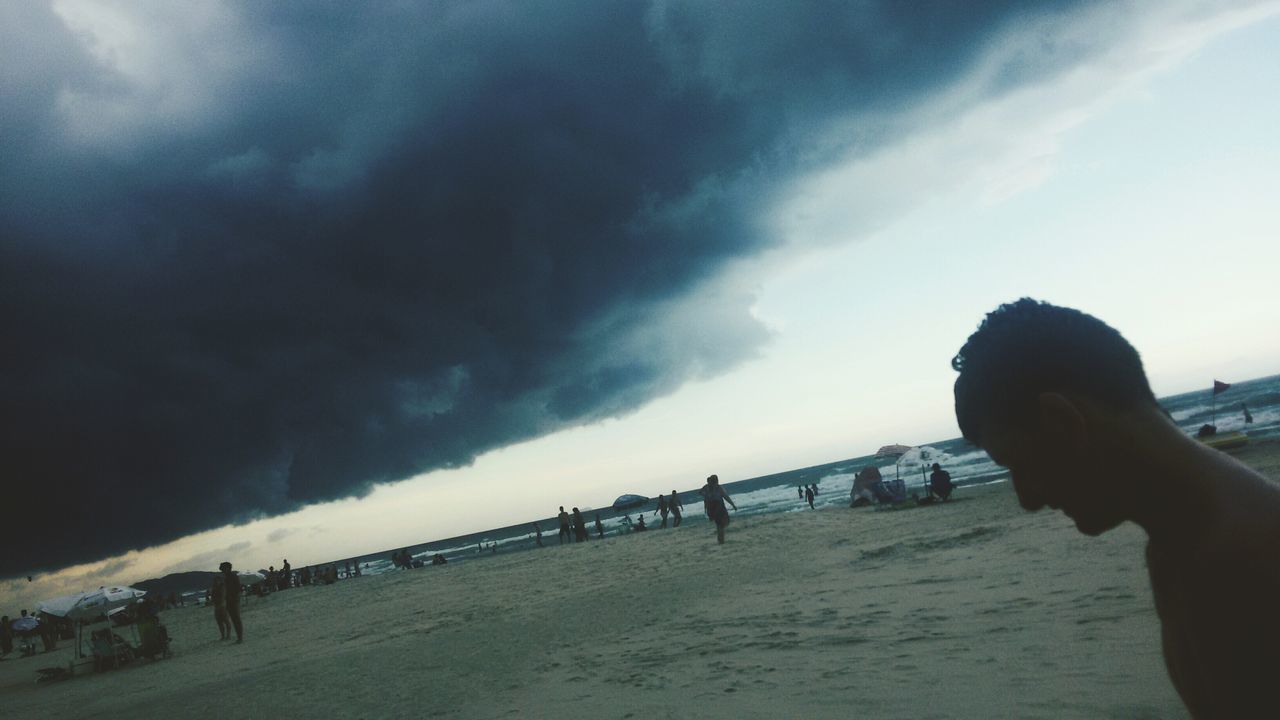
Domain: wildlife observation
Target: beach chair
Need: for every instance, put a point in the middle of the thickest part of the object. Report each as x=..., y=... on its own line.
x=109, y=650
x=890, y=492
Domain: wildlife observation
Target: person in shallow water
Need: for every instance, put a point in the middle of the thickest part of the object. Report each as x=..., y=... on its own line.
x=713, y=499
x=662, y=508
x=1061, y=399
x=808, y=497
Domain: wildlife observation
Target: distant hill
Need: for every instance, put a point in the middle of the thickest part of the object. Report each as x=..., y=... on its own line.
x=196, y=580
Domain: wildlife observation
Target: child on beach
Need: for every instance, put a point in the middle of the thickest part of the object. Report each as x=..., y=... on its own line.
x=1061, y=399
x=713, y=500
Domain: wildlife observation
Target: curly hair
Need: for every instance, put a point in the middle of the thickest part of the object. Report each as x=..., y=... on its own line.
x=1027, y=347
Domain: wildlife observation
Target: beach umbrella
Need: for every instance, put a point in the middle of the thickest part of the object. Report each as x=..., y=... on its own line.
x=99, y=602
x=250, y=578
x=94, y=604
x=896, y=452
x=59, y=606
x=24, y=624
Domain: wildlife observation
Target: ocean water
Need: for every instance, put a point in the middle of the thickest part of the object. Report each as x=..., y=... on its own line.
x=967, y=464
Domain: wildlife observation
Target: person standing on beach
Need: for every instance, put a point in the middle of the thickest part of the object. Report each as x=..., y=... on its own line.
x=662, y=508
x=676, y=506
x=800, y=492
x=537, y=534
x=713, y=499
x=218, y=599
x=579, y=526
x=808, y=497
x=599, y=527
x=564, y=526
x=1061, y=399
x=231, y=590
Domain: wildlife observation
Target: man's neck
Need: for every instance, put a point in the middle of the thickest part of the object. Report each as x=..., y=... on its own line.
x=1172, y=474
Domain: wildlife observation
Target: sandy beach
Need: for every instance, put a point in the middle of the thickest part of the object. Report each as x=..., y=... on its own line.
x=974, y=609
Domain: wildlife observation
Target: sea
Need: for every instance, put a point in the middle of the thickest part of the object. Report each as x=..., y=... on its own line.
x=968, y=465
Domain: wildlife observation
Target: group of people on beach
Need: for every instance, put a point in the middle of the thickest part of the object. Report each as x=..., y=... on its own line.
x=808, y=493
x=573, y=527
x=29, y=627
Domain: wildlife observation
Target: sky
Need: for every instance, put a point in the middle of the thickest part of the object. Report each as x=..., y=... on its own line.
x=313, y=281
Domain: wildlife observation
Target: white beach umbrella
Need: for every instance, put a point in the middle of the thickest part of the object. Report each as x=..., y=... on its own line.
x=24, y=624
x=250, y=578
x=102, y=601
x=59, y=606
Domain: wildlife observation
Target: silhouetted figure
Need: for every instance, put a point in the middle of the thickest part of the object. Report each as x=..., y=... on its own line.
x=537, y=534
x=626, y=522
x=815, y=489
x=639, y=526
x=218, y=599
x=1061, y=400
x=599, y=527
x=676, y=507
x=231, y=589
x=579, y=526
x=564, y=526
x=1248, y=417
x=799, y=492
x=286, y=576
x=808, y=497
x=6, y=636
x=438, y=559
x=662, y=508
x=940, y=485
x=713, y=499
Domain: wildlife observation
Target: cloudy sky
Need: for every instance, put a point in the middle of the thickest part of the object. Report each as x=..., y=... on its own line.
x=312, y=280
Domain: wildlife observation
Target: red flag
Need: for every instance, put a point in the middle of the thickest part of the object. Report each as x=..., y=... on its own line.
x=1220, y=387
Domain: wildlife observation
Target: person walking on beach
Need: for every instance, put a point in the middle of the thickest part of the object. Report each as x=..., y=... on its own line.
x=662, y=508
x=808, y=497
x=579, y=526
x=675, y=506
x=599, y=527
x=537, y=534
x=564, y=526
x=218, y=599
x=713, y=499
x=231, y=589
x=1061, y=399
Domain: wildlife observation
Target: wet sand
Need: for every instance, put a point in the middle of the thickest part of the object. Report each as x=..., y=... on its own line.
x=973, y=609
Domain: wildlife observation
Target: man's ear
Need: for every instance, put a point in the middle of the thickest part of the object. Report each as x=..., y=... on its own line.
x=1061, y=419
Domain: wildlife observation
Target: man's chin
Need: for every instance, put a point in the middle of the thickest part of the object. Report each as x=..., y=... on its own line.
x=1092, y=527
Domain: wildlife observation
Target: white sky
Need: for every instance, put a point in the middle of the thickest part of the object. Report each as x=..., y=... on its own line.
x=1141, y=189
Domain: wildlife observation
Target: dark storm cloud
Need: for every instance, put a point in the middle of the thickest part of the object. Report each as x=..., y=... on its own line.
x=333, y=245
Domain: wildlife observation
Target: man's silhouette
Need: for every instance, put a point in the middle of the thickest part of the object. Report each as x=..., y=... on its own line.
x=1060, y=399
